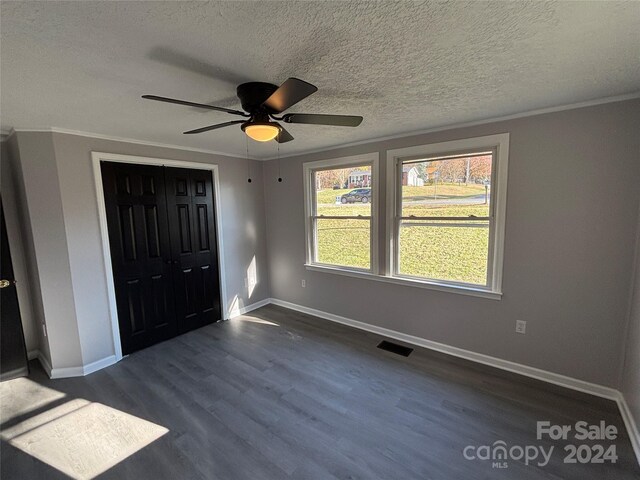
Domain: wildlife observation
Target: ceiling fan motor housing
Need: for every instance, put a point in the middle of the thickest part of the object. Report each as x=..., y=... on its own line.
x=253, y=94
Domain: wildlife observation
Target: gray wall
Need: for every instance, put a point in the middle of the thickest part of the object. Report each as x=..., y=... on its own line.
x=631, y=373
x=570, y=235
x=49, y=253
x=10, y=187
x=61, y=197
x=26, y=231
x=570, y=229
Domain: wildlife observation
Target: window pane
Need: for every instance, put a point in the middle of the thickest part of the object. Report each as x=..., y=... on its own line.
x=454, y=251
x=344, y=242
x=343, y=191
x=447, y=188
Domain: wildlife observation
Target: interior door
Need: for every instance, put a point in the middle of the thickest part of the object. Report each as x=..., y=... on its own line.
x=13, y=352
x=136, y=209
x=194, y=249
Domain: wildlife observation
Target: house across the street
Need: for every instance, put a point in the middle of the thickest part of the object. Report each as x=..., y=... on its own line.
x=410, y=176
x=359, y=178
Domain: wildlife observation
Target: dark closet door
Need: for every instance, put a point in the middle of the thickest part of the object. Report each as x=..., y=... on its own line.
x=194, y=250
x=13, y=352
x=140, y=253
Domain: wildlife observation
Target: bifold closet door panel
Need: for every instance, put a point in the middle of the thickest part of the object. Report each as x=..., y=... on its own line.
x=193, y=236
x=138, y=226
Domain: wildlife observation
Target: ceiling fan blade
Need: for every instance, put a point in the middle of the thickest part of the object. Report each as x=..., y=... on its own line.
x=213, y=127
x=283, y=136
x=192, y=104
x=319, y=119
x=289, y=93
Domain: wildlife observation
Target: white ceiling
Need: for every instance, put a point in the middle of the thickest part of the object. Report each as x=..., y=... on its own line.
x=404, y=66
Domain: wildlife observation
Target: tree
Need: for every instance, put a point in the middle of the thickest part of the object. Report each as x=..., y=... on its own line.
x=451, y=170
x=466, y=169
x=341, y=175
x=328, y=178
x=480, y=168
x=324, y=179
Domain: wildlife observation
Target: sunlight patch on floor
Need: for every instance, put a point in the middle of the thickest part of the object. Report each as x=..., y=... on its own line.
x=249, y=319
x=21, y=396
x=80, y=438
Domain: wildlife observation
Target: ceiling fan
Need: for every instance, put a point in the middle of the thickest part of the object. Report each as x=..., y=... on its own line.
x=261, y=102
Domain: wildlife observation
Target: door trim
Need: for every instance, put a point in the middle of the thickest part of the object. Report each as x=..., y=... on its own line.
x=96, y=158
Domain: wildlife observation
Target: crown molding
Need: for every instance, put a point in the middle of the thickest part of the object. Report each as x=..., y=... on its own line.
x=100, y=136
x=452, y=126
x=5, y=134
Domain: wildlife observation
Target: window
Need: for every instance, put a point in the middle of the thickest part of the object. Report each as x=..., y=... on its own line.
x=443, y=226
x=340, y=201
x=446, y=213
x=444, y=218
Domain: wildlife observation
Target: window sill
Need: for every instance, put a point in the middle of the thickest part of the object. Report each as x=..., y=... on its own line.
x=458, y=289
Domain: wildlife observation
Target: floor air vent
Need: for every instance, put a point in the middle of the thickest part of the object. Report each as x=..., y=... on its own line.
x=395, y=348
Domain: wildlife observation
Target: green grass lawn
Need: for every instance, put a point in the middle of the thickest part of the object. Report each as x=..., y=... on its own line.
x=344, y=242
x=446, y=252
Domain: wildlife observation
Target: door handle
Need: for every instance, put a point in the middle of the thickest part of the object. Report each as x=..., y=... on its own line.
x=7, y=283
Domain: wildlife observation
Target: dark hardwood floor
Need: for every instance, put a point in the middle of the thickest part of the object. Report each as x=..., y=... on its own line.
x=277, y=394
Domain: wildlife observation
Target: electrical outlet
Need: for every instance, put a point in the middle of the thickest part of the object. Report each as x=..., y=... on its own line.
x=521, y=326
x=303, y=283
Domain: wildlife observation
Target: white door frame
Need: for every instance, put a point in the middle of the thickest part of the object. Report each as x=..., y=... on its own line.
x=96, y=158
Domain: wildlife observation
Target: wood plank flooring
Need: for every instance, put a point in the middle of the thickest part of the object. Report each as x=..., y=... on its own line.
x=277, y=394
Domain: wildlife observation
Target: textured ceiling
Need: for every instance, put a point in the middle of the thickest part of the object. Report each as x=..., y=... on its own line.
x=404, y=66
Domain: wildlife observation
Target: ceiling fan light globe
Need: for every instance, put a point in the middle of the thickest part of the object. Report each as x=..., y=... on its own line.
x=261, y=132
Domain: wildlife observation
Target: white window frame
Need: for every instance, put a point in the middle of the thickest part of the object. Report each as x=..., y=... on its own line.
x=372, y=159
x=500, y=145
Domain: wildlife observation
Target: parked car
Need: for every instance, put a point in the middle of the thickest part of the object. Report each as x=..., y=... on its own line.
x=360, y=195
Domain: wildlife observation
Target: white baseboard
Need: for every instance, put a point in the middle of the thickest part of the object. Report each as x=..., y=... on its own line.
x=630, y=423
x=550, y=377
x=83, y=370
x=99, y=364
x=66, y=372
x=55, y=373
x=236, y=312
x=544, y=375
